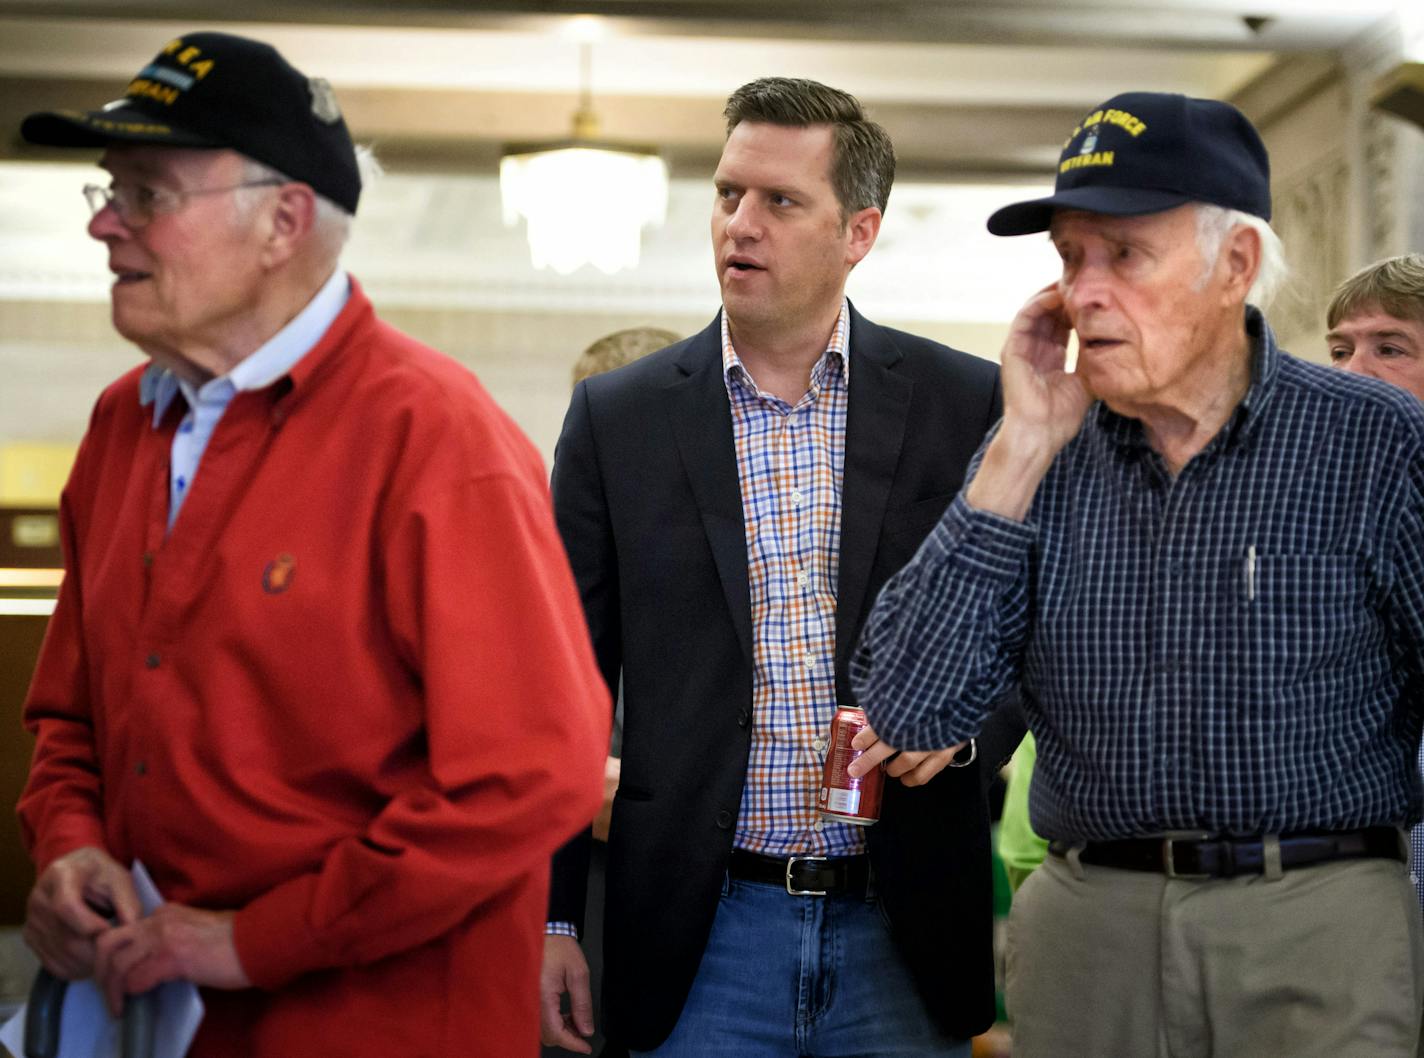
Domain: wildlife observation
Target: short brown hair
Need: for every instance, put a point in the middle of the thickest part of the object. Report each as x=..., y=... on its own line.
x=863, y=167
x=619, y=348
x=1394, y=286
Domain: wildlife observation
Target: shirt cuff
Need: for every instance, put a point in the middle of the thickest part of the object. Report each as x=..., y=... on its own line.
x=560, y=929
x=273, y=942
x=64, y=837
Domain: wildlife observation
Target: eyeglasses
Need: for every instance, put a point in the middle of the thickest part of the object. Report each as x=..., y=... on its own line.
x=137, y=205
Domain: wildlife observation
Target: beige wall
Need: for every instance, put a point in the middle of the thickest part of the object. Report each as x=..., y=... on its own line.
x=525, y=359
x=1347, y=180
x=56, y=356
x=1311, y=205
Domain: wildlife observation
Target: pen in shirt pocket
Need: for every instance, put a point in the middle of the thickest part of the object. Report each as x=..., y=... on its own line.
x=1251, y=573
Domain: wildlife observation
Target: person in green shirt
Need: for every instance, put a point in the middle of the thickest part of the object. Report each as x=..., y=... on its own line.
x=1019, y=847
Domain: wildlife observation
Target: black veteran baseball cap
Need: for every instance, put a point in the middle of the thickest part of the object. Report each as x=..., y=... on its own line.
x=1143, y=152
x=220, y=90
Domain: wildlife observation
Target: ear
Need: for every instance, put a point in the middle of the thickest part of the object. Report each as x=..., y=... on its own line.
x=1241, y=259
x=863, y=227
x=290, y=220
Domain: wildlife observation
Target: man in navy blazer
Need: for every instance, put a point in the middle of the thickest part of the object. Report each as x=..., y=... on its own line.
x=731, y=506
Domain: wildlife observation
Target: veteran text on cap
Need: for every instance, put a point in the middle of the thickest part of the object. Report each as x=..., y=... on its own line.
x=221, y=90
x=1143, y=152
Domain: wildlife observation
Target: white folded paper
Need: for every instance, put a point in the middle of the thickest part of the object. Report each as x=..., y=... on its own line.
x=87, y=1030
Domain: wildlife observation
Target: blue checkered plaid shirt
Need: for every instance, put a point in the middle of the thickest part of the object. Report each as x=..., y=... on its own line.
x=1236, y=649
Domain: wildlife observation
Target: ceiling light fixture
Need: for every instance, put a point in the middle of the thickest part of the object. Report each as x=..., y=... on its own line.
x=584, y=200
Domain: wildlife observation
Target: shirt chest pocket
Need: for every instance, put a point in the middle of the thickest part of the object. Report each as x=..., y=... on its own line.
x=1297, y=614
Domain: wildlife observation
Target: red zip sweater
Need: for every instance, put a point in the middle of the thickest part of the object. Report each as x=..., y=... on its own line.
x=349, y=696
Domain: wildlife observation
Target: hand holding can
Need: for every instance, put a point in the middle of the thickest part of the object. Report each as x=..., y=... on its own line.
x=842, y=796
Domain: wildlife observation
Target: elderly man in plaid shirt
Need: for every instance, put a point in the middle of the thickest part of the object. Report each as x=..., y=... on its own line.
x=1203, y=560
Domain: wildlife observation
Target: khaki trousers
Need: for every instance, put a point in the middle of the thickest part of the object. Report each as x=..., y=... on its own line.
x=1322, y=961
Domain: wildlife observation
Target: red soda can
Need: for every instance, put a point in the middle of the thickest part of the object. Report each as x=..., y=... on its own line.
x=842, y=797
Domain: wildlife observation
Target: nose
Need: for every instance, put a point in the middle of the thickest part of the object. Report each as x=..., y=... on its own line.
x=1084, y=286
x=1358, y=363
x=745, y=222
x=106, y=225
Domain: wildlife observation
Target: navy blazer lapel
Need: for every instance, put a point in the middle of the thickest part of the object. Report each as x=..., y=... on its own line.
x=875, y=430
x=702, y=423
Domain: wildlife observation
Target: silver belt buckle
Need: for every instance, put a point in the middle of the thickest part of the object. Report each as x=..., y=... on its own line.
x=1169, y=860
x=791, y=862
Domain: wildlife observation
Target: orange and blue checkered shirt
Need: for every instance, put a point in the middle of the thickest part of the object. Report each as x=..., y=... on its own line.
x=790, y=464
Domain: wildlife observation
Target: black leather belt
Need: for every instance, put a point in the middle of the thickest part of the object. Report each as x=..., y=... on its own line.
x=1204, y=856
x=804, y=875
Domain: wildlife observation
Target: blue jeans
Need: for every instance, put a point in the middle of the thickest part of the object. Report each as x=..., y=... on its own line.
x=802, y=977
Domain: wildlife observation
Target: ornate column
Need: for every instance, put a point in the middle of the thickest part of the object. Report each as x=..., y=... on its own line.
x=1347, y=180
x=1390, y=182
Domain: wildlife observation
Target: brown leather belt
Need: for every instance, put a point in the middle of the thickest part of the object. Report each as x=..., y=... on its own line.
x=1205, y=856
x=804, y=875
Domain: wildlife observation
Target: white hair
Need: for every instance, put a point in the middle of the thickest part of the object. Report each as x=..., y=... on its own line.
x=1214, y=223
x=332, y=226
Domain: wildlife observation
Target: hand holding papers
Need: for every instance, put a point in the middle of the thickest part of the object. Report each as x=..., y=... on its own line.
x=88, y=1031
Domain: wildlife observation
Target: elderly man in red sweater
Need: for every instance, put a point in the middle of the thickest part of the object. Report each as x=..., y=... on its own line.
x=318, y=661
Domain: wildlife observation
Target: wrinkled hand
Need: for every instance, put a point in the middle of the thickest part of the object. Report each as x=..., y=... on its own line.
x=565, y=970
x=913, y=767
x=71, y=905
x=1044, y=407
x=1040, y=396
x=176, y=942
x=612, y=772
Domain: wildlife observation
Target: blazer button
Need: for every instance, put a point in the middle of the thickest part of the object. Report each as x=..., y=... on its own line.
x=153, y=661
x=724, y=819
x=744, y=718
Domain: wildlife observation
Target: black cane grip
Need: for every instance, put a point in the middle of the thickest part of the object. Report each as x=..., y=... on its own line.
x=140, y=1020
x=42, y=1015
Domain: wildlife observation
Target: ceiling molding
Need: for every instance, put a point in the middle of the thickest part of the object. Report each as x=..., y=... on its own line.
x=1285, y=85
x=421, y=128
x=1276, y=25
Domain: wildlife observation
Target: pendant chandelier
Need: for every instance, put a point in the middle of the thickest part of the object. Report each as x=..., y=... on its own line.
x=584, y=200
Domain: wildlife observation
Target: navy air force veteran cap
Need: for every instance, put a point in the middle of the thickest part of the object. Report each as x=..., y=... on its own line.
x=220, y=90
x=1143, y=152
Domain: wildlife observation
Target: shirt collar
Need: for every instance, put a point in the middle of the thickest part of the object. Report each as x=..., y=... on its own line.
x=1265, y=367
x=271, y=361
x=1265, y=357
x=837, y=348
